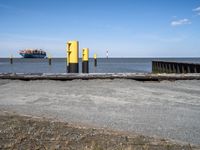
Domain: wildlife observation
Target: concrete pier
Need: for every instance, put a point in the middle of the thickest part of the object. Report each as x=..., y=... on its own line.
x=174, y=67
x=92, y=76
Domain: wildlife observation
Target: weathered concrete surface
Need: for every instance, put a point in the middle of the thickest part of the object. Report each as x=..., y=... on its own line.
x=92, y=76
x=162, y=109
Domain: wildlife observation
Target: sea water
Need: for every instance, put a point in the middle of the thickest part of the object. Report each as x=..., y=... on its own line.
x=104, y=65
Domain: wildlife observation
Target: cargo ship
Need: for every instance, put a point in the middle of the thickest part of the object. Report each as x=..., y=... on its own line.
x=32, y=53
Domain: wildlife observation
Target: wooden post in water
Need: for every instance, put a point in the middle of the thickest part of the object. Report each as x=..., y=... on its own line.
x=11, y=59
x=49, y=60
x=95, y=60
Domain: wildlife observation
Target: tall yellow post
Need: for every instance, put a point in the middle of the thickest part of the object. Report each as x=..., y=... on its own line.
x=95, y=60
x=85, y=62
x=72, y=56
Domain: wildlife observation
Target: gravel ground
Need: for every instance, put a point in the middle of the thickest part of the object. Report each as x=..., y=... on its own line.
x=158, y=109
x=22, y=132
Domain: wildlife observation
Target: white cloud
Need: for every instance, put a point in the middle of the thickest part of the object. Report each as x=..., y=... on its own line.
x=180, y=22
x=196, y=9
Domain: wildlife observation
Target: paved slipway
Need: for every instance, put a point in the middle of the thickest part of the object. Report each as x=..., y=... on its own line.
x=159, y=109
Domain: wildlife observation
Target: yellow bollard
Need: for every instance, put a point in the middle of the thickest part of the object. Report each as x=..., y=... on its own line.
x=85, y=62
x=72, y=56
x=95, y=60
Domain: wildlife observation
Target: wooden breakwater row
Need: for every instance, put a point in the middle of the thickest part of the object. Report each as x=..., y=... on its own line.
x=91, y=76
x=174, y=67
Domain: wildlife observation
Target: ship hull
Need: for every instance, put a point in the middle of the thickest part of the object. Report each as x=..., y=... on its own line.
x=33, y=55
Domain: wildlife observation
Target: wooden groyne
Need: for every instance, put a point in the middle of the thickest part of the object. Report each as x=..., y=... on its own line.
x=174, y=67
x=91, y=76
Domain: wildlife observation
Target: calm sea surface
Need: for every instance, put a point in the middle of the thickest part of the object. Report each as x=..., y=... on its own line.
x=111, y=65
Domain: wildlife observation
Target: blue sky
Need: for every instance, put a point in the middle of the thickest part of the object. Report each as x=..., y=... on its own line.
x=127, y=28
